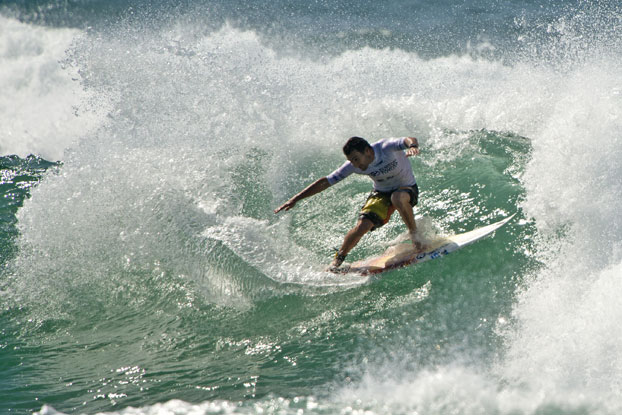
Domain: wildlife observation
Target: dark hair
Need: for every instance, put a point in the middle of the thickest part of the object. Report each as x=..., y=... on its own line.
x=355, y=143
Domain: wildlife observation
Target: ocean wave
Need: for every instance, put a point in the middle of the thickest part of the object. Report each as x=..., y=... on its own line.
x=160, y=220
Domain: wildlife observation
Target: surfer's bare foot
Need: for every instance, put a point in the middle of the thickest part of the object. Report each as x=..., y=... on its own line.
x=337, y=261
x=419, y=247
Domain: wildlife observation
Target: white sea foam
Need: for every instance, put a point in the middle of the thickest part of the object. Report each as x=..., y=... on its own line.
x=42, y=104
x=567, y=328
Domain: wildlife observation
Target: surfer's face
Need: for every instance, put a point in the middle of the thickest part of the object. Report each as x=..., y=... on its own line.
x=361, y=160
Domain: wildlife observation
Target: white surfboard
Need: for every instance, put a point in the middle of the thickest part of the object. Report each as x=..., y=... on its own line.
x=404, y=254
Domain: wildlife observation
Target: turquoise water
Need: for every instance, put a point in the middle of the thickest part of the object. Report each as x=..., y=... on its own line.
x=144, y=149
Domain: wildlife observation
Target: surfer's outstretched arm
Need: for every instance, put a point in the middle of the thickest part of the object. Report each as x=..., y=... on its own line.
x=314, y=188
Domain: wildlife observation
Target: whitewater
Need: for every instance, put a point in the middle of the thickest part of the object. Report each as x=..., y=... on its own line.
x=144, y=272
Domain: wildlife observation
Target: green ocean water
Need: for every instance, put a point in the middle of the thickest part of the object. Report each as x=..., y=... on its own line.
x=138, y=335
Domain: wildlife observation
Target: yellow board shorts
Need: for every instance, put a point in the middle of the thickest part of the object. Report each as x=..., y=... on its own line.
x=378, y=207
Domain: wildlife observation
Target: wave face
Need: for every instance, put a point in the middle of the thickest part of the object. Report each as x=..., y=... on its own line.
x=146, y=273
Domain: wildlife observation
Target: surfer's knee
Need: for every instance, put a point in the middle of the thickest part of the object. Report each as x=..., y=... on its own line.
x=400, y=199
x=364, y=225
x=405, y=196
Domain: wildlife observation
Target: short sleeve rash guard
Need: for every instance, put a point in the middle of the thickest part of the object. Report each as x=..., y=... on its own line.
x=390, y=169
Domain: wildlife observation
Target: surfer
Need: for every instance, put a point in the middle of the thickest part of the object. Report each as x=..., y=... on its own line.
x=395, y=187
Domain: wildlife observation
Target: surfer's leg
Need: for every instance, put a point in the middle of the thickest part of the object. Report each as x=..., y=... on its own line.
x=402, y=200
x=355, y=234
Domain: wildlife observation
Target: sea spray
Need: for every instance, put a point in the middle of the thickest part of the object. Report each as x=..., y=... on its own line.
x=44, y=108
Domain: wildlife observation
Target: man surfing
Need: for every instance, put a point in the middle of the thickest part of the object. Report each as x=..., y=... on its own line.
x=395, y=187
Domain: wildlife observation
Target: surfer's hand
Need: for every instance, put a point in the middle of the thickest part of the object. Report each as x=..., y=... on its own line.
x=285, y=206
x=413, y=146
x=413, y=151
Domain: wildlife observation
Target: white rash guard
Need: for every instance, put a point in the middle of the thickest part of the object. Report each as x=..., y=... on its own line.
x=390, y=169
